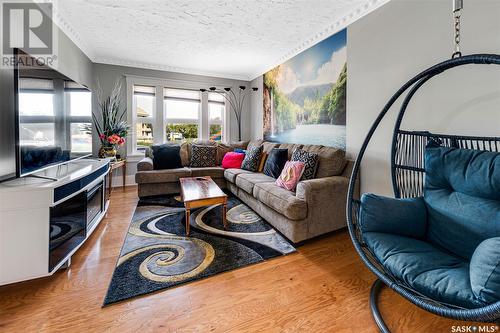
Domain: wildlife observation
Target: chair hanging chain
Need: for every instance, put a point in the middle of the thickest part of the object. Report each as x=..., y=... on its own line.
x=457, y=12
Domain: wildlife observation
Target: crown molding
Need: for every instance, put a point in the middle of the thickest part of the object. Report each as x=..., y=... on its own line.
x=166, y=68
x=71, y=33
x=332, y=29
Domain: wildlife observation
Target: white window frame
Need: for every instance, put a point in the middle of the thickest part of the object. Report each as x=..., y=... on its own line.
x=198, y=121
x=159, y=120
x=223, y=123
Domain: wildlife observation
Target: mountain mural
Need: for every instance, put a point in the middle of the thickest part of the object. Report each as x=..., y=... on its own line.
x=299, y=95
x=305, y=97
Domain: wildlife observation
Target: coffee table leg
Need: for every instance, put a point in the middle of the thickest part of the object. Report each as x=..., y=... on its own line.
x=224, y=211
x=187, y=221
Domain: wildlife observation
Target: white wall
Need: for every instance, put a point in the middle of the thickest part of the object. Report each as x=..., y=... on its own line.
x=391, y=45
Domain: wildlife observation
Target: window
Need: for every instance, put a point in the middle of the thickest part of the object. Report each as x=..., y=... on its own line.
x=182, y=114
x=216, y=111
x=162, y=111
x=78, y=116
x=144, y=106
x=80, y=103
x=36, y=97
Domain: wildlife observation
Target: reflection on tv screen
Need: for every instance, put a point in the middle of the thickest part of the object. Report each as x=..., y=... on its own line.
x=55, y=118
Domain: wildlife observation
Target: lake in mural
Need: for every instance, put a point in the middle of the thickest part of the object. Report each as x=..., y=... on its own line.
x=305, y=97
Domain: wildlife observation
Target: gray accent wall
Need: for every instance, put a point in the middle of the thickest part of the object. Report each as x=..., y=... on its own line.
x=108, y=74
x=256, y=110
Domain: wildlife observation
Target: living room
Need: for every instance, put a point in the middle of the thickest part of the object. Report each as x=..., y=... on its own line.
x=247, y=166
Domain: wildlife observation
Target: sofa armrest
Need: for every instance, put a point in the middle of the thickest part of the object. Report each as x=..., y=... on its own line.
x=326, y=201
x=146, y=164
x=404, y=217
x=322, y=189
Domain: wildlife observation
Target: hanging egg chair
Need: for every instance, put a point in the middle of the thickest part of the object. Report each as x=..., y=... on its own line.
x=437, y=242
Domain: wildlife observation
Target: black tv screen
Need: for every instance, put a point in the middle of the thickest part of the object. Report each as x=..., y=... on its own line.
x=54, y=116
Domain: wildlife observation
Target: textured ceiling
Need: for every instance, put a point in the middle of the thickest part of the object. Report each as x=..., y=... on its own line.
x=226, y=38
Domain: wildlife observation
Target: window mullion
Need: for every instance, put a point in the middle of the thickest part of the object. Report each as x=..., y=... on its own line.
x=158, y=116
x=204, y=118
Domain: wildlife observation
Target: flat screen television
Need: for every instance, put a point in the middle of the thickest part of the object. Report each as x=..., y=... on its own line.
x=53, y=115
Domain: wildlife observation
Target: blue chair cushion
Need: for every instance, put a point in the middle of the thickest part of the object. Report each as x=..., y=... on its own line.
x=431, y=271
x=485, y=270
x=406, y=217
x=462, y=194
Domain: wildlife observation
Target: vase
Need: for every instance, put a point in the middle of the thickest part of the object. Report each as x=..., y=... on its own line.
x=107, y=152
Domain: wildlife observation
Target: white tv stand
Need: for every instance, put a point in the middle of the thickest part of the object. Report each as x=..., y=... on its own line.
x=43, y=221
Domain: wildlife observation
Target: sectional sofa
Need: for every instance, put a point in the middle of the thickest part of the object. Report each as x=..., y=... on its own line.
x=316, y=207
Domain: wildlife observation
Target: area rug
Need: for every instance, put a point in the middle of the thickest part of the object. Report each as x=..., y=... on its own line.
x=156, y=254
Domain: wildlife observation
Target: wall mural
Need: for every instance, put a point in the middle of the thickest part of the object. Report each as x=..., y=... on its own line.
x=305, y=97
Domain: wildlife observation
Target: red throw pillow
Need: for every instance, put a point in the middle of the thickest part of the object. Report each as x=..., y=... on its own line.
x=232, y=160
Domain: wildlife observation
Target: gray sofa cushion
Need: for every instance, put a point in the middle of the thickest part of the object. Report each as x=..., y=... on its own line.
x=185, y=153
x=247, y=181
x=214, y=172
x=255, y=143
x=331, y=160
x=222, y=149
x=281, y=200
x=268, y=146
x=230, y=174
x=291, y=147
x=162, y=176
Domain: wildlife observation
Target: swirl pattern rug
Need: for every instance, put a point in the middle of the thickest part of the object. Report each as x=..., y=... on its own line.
x=157, y=255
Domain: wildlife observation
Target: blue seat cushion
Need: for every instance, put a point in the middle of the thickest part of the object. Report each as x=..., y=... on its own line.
x=429, y=270
x=462, y=195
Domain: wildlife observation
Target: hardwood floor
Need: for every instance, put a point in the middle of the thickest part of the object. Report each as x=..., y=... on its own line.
x=322, y=288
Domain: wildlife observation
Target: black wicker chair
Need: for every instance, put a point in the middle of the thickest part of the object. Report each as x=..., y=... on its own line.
x=407, y=170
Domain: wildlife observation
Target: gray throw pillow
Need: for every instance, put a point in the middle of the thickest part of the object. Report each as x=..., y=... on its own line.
x=252, y=158
x=203, y=156
x=310, y=161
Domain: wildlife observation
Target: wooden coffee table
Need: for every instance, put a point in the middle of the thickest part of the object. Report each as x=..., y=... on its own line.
x=201, y=191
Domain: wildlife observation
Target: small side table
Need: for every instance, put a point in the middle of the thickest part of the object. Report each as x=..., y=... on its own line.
x=113, y=166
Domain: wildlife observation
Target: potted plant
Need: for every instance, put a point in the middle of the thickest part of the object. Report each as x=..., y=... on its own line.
x=108, y=121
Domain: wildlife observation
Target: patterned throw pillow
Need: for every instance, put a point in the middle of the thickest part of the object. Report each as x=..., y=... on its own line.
x=252, y=158
x=310, y=161
x=203, y=156
x=290, y=176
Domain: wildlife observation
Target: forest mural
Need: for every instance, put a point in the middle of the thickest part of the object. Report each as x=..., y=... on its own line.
x=305, y=97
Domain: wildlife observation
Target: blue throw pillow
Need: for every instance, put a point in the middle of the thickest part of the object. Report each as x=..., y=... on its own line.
x=404, y=217
x=275, y=162
x=485, y=271
x=166, y=157
x=239, y=150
